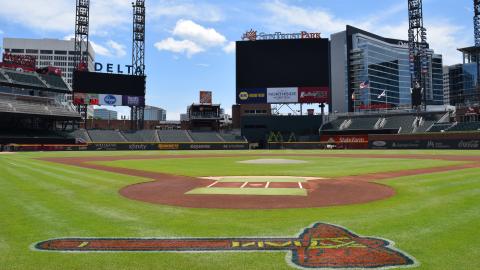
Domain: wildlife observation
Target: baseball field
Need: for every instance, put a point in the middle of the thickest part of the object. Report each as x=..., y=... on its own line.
x=240, y=210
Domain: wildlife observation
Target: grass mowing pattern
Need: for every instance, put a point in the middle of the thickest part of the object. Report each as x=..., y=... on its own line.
x=434, y=217
x=316, y=167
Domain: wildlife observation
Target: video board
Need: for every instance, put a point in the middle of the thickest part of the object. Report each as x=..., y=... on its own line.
x=283, y=71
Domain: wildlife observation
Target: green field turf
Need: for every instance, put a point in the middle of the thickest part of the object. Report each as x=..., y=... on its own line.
x=434, y=217
x=250, y=191
x=316, y=167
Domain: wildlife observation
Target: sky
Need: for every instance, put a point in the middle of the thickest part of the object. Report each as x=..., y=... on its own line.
x=190, y=44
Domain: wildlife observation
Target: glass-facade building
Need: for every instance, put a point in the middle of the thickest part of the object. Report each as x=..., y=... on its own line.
x=463, y=84
x=377, y=73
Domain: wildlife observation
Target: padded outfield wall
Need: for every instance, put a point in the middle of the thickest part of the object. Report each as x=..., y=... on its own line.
x=125, y=147
x=426, y=141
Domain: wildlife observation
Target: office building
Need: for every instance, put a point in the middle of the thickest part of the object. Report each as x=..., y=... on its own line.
x=370, y=72
x=105, y=114
x=49, y=52
x=155, y=114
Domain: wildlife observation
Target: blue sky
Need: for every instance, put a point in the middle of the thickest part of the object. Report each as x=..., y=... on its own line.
x=189, y=43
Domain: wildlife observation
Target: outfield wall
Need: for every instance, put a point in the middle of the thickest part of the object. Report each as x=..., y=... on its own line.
x=426, y=141
x=125, y=147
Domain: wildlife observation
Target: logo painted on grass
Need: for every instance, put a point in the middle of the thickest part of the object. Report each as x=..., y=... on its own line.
x=322, y=246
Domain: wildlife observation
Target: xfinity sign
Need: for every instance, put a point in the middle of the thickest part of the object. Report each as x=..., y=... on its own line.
x=119, y=69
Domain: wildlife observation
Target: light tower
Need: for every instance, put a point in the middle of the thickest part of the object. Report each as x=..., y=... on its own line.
x=82, y=22
x=138, y=57
x=417, y=41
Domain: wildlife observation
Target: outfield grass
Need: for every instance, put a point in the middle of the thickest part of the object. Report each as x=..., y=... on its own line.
x=435, y=217
x=250, y=191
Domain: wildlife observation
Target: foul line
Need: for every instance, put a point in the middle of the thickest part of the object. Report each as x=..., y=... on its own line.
x=267, y=185
x=244, y=184
x=300, y=185
x=213, y=184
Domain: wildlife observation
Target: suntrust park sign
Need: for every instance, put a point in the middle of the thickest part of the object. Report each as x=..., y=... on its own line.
x=252, y=35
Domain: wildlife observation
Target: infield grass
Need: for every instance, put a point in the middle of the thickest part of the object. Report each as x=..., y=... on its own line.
x=434, y=217
x=316, y=166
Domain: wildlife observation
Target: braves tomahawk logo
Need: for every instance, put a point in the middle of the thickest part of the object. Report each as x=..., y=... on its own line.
x=323, y=246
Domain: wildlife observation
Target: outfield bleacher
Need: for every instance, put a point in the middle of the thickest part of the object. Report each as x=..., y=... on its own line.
x=174, y=136
x=106, y=136
x=440, y=127
x=227, y=137
x=470, y=126
x=141, y=136
x=205, y=136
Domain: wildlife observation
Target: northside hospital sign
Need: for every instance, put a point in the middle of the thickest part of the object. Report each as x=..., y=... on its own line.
x=252, y=35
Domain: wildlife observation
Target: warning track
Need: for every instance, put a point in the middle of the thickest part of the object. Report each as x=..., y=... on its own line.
x=167, y=189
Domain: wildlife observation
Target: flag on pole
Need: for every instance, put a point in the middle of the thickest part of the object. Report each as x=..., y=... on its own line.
x=384, y=94
x=365, y=84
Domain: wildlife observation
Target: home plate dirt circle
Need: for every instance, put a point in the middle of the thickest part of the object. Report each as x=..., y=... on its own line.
x=256, y=192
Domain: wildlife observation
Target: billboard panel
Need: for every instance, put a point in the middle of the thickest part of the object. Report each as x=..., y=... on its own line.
x=133, y=101
x=205, y=97
x=282, y=63
x=313, y=94
x=109, y=84
x=252, y=96
x=282, y=95
x=110, y=100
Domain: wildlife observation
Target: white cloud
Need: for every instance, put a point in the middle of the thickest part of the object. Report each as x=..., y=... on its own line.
x=198, y=12
x=117, y=48
x=110, y=49
x=191, y=38
x=230, y=47
x=99, y=49
x=203, y=65
x=179, y=46
x=283, y=15
x=59, y=15
x=1, y=32
x=189, y=30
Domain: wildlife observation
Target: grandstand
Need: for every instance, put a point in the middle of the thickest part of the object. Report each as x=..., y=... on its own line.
x=198, y=136
x=392, y=123
x=152, y=136
x=25, y=78
x=141, y=136
x=54, y=81
x=32, y=111
x=174, y=136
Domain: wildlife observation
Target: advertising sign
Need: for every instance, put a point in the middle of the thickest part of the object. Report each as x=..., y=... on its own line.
x=252, y=96
x=425, y=144
x=79, y=98
x=92, y=99
x=313, y=94
x=334, y=139
x=133, y=101
x=110, y=100
x=205, y=97
x=282, y=95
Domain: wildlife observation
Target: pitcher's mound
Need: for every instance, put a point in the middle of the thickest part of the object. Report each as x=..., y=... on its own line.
x=272, y=161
